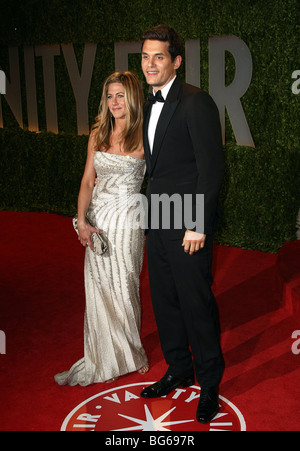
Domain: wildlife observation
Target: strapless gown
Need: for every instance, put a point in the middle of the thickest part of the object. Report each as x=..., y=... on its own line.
x=112, y=323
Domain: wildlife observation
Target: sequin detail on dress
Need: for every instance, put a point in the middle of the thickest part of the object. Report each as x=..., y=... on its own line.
x=112, y=344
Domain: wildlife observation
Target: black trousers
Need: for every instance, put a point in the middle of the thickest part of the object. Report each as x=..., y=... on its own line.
x=185, y=308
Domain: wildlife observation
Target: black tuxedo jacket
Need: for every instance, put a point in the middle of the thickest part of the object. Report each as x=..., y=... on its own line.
x=187, y=156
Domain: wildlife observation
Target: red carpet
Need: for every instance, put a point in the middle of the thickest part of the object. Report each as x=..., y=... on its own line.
x=41, y=314
x=288, y=267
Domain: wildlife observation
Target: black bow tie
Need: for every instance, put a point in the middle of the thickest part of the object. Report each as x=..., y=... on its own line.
x=157, y=98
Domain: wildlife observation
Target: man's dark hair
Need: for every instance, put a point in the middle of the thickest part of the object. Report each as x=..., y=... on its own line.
x=165, y=34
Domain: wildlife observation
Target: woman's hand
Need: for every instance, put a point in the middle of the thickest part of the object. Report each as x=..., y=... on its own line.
x=85, y=232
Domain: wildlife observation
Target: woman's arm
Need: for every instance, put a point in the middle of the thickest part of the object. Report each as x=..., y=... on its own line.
x=85, y=194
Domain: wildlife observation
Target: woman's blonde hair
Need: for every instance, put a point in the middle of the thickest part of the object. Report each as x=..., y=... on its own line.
x=104, y=122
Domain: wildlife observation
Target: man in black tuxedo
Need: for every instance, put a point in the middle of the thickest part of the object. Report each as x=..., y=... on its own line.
x=184, y=156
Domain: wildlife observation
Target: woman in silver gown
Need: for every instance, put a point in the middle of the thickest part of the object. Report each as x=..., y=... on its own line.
x=112, y=343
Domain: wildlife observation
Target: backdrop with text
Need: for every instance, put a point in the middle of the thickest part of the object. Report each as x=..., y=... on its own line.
x=54, y=59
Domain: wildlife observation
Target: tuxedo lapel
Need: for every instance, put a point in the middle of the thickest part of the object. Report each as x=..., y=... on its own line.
x=162, y=126
x=147, y=112
x=168, y=110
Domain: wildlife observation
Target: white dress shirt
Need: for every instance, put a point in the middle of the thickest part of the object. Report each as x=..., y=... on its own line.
x=155, y=113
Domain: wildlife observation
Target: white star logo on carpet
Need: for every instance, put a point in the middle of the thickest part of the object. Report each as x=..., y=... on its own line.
x=122, y=409
x=152, y=424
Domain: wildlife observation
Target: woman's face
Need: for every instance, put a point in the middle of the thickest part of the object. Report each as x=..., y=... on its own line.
x=116, y=100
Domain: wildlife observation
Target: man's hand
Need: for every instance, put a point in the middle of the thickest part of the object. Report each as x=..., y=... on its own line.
x=193, y=241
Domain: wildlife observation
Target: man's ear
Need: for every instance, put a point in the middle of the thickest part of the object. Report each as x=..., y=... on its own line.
x=177, y=61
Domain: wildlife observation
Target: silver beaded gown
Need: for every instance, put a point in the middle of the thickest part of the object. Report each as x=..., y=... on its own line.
x=112, y=323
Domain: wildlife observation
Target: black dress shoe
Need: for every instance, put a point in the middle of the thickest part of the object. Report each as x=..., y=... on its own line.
x=208, y=406
x=167, y=384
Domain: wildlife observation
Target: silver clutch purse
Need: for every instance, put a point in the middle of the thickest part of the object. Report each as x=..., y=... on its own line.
x=99, y=243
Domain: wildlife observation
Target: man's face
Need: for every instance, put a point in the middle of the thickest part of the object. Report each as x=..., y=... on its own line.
x=157, y=64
